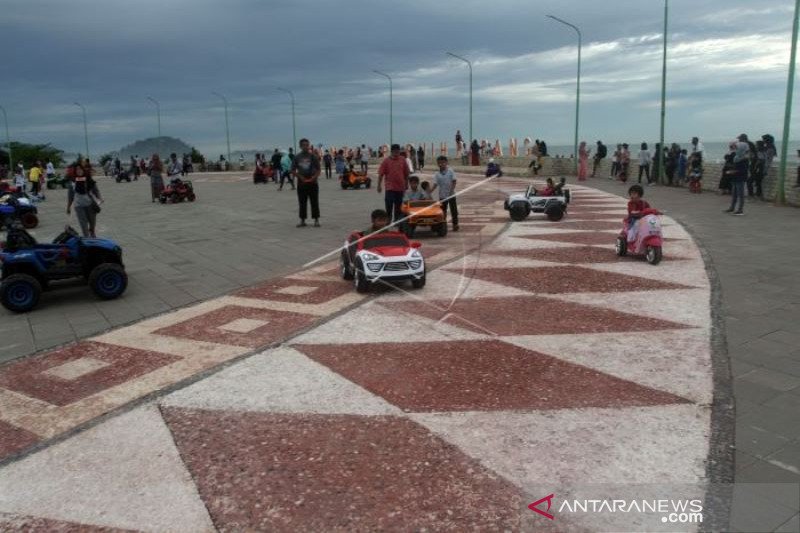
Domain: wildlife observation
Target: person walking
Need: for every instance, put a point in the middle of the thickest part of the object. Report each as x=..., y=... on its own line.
x=394, y=170
x=364, y=153
x=583, y=161
x=644, y=162
x=420, y=157
x=445, y=181
x=84, y=195
x=615, y=162
x=155, y=170
x=306, y=168
x=286, y=163
x=35, y=177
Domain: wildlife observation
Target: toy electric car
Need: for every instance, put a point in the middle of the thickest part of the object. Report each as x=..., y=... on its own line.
x=520, y=205
x=354, y=180
x=124, y=175
x=57, y=181
x=424, y=213
x=263, y=174
x=18, y=206
x=28, y=267
x=386, y=256
x=177, y=191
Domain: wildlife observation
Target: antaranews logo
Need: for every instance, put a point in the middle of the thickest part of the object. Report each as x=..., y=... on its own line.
x=680, y=511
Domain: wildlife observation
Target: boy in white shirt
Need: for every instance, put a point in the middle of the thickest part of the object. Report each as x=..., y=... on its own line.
x=445, y=181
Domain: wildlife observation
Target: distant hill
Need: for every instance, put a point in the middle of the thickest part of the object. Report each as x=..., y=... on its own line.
x=161, y=145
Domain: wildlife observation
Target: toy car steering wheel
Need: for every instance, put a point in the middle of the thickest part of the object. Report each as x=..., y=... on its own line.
x=66, y=234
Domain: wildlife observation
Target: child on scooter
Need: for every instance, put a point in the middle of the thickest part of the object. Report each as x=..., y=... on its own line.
x=635, y=207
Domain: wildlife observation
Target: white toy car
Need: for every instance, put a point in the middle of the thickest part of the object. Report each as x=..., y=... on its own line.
x=520, y=205
x=385, y=256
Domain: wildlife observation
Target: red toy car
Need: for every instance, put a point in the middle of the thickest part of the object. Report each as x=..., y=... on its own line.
x=177, y=191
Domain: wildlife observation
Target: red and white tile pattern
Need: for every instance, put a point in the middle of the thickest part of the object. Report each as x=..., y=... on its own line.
x=538, y=359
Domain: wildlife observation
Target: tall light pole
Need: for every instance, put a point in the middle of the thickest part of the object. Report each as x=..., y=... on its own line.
x=8, y=141
x=578, y=92
x=780, y=197
x=391, y=104
x=158, y=113
x=469, y=64
x=294, y=124
x=660, y=177
x=227, y=128
x=85, y=131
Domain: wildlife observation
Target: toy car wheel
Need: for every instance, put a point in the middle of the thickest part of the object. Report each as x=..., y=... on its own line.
x=20, y=292
x=64, y=184
x=51, y=185
x=360, y=278
x=174, y=198
x=519, y=211
x=108, y=280
x=191, y=197
x=441, y=229
x=653, y=255
x=29, y=220
x=118, y=179
x=344, y=185
x=368, y=184
x=555, y=212
x=411, y=229
x=345, y=268
x=162, y=199
x=419, y=283
x=621, y=246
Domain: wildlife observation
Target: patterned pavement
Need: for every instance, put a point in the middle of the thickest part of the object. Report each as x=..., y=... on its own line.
x=534, y=359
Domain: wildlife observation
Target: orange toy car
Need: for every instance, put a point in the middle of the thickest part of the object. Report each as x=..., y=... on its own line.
x=424, y=213
x=353, y=179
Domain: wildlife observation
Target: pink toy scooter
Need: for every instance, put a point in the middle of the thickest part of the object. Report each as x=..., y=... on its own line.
x=647, y=239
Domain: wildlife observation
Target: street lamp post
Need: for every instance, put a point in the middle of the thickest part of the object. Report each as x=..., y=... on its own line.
x=227, y=128
x=780, y=196
x=578, y=91
x=391, y=104
x=294, y=124
x=8, y=141
x=469, y=64
x=158, y=113
x=85, y=131
x=158, y=118
x=661, y=169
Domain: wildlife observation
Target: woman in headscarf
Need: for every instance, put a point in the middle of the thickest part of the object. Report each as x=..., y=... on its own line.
x=156, y=179
x=84, y=195
x=475, y=153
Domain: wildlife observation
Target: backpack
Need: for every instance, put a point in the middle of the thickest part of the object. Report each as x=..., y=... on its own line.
x=602, y=150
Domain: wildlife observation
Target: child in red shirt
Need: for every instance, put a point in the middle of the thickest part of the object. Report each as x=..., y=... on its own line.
x=635, y=207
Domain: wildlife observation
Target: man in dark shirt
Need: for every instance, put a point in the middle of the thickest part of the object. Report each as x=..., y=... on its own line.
x=306, y=168
x=328, y=160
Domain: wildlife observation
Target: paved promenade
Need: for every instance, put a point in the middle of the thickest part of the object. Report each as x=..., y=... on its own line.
x=533, y=362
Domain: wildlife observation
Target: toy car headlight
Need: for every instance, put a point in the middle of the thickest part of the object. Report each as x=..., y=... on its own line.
x=370, y=257
x=416, y=253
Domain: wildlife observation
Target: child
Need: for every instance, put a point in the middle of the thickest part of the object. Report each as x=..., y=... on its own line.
x=414, y=193
x=426, y=190
x=380, y=219
x=696, y=175
x=445, y=181
x=635, y=207
x=549, y=190
x=340, y=163
x=19, y=178
x=493, y=169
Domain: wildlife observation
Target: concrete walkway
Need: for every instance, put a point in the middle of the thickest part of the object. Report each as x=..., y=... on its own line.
x=535, y=364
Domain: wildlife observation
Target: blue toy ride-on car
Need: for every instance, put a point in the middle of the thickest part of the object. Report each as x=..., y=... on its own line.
x=18, y=207
x=28, y=267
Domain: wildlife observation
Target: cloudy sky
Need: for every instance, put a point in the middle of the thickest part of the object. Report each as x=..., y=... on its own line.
x=727, y=61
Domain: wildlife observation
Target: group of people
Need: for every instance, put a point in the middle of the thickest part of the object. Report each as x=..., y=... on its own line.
x=34, y=180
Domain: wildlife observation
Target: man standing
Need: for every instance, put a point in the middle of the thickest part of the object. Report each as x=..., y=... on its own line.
x=364, y=153
x=35, y=177
x=445, y=181
x=275, y=162
x=741, y=162
x=394, y=169
x=599, y=155
x=306, y=168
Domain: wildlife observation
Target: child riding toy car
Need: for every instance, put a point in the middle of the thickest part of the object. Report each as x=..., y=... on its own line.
x=28, y=267
x=263, y=174
x=424, y=213
x=387, y=256
x=178, y=190
x=641, y=235
x=551, y=201
x=18, y=206
x=57, y=181
x=354, y=180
